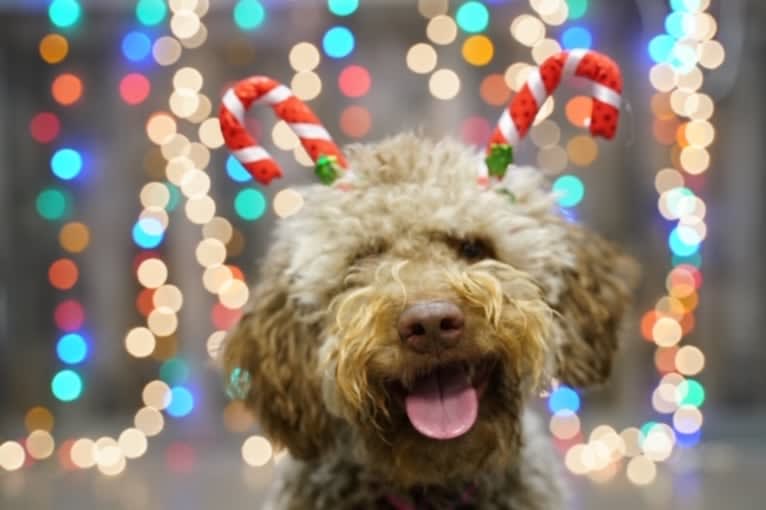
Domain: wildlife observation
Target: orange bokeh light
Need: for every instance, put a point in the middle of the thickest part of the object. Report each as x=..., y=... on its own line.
x=494, y=90
x=67, y=89
x=54, y=48
x=355, y=121
x=579, y=110
x=63, y=274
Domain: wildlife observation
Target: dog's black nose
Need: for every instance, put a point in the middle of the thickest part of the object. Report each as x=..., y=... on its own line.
x=431, y=326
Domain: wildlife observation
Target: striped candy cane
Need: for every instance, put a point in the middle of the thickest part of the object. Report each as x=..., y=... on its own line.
x=314, y=137
x=606, y=82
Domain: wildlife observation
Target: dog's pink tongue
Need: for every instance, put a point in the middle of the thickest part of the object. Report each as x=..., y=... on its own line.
x=443, y=404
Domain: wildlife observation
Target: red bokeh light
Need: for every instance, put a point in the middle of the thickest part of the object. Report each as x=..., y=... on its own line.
x=355, y=81
x=44, y=127
x=135, y=88
x=69, y=315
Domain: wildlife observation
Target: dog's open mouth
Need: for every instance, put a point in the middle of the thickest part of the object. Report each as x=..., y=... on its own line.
x=444, y=403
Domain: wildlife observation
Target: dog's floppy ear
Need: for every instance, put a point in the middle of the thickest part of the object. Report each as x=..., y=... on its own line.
x=277, y=352
x=596, y=293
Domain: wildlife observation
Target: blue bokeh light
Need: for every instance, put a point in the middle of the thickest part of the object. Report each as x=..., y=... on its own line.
x=685, y=5
x=66, y=164
x=67, y=385
x=64, y=13
x=181, y=402
x=688, y=440
x=661, y=48
x=569, y=189
x=136, y=46
x=236, y=171
x=72, y=348
x=338, y=42
x=148, y=233
x=564, y=398
x=576, y=37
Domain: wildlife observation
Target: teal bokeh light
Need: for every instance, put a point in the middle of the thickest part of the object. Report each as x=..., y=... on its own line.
x=67, y=385
x=250, y=204
x=472, y=17
x=151, y=12
x=569, y=190
x=249, y=14
x=64, y=13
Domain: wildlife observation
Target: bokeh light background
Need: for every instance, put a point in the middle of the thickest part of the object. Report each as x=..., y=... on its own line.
x=130, y=233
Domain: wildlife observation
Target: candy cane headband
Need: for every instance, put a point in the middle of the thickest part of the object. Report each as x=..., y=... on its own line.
x=598, y=69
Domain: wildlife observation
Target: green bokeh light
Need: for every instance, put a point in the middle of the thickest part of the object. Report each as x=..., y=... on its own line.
x=175, y=197
x=250, y=204
x=342, y=7
x=577, y=8
x=151, y=12
x=249, y=14
x=64, y=13
x=691, y=393
x=174, y=371
x=53, y=204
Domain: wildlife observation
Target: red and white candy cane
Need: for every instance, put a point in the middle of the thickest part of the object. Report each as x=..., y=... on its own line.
x=606, y=82
x=264, y=90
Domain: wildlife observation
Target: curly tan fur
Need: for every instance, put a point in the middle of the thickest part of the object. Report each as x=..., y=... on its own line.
x=329, y=371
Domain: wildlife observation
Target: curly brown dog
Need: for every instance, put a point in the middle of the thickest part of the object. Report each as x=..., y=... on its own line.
x=399, y=328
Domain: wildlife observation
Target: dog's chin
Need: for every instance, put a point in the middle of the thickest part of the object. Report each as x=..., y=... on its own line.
x=449, y=422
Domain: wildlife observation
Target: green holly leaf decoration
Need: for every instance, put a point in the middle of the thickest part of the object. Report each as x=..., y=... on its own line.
x=327, y=169
x=500, y=156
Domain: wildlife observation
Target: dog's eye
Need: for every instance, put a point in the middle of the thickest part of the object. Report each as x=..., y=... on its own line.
x=474, y=250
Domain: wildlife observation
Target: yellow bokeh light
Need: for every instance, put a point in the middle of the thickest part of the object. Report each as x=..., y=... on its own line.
x=690, y=360
x=40, y=444
x=641, y=470
x=687, y=420
x=149, y=421
x=152, y=273
x=516, y=75
x=528, y=30
x=195, y=184
x=304, y=56
x=154, y=194
x=166, y=51
x=156, y=394
x=210, y=252
x=218, y=228
x=558, y=16
x=168, y=296
x=666, y=332
x=210, y=133
x=160, y=128
x=667, y=179
x=582, y=150
x=140, y=342
x=700, y=133
x=431, y=8
x=188, y=78
x=553, y=158
x=691, y=81
x=565, y=424
x=257, y=451
x=38, y=418
x=444, y=84
x=421, y=58
x=132, y=442
x=306, y=85
x=82, y=452
x=478, y=50
x=287, y=202
x=545, y=134
x=184, y=102
x=162, y=321
x=284, y=137
x=663, y=77
x=695, y=160
x=215, y=277
x=184, y=24
x=200, y=210
x=711, y=54
x=544, y=49
x=234, y=294
x=441, y=30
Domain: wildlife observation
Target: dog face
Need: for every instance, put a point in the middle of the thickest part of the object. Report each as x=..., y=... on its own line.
x=417, y=312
